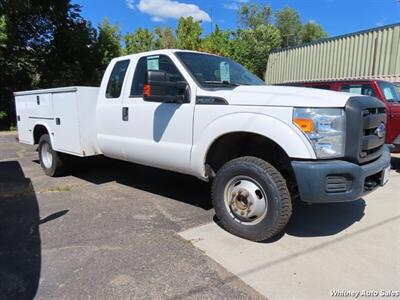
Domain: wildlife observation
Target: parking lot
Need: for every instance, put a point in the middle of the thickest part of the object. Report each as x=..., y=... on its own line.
x=116, y=230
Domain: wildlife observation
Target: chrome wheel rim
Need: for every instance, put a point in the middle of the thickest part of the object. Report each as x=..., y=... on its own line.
x=46, y=155
x=245, y=200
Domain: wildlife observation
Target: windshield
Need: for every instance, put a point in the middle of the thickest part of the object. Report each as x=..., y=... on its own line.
x=389, y=91
x=211, y=70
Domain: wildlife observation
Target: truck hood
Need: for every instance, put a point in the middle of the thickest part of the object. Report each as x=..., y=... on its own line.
x=279, y=96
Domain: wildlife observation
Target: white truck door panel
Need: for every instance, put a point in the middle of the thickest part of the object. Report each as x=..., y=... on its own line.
x=66, y=124
x=156, y=133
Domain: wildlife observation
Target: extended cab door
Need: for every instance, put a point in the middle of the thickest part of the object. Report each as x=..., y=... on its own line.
x=392, y=98
x=109, y=110
x=157, y=133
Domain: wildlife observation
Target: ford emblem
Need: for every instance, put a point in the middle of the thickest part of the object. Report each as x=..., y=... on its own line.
x=380, y=131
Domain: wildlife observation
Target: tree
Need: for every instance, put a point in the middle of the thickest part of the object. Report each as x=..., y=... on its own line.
x=3, y=33
x=48, y=44
x=108, y=44
x=218, y=42
x=165, y=38
x=140, y=40
x=252, y=47
x=70, y=59
x=3, y=44
x=188, y=33
x=251, y=16
x=288, y=22
x=311, y=32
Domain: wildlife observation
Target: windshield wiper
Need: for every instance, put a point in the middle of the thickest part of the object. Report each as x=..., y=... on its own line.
x=222, y=82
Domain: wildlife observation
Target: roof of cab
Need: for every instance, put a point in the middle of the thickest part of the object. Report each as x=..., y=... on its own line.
x=157, y=52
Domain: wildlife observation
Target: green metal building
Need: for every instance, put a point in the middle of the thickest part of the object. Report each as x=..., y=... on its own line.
x=373, y=53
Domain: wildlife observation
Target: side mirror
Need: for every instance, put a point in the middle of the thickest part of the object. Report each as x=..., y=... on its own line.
x=159, y=89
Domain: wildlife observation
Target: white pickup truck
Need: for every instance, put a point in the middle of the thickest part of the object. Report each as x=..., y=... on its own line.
x=207, y=116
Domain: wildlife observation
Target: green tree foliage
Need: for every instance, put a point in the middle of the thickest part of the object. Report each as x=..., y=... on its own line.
x=108, y=45
x=48, y=44
x=218, y=42
x=70, y=57
x=252, y=47
x=165, y=38
x=288, y=22
x=188, y=33
x=311, y=32
x=140, y=40
x=3, y=33
x=3, y=44
x=251, y=16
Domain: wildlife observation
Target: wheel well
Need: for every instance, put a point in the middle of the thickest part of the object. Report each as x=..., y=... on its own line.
x=238, y=144
x=38, y=132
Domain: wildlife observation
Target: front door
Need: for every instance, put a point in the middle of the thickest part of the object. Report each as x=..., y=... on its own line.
x=157, y=133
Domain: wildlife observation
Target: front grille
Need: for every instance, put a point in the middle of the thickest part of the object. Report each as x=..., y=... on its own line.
x=371, y=142
x=364, y=116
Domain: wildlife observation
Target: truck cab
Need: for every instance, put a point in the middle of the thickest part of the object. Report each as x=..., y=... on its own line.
x=261, y=147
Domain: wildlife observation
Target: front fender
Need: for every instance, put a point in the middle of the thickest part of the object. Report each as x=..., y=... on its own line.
x=282, y=132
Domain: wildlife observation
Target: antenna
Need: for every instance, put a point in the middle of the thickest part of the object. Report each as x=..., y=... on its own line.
x=212, y=27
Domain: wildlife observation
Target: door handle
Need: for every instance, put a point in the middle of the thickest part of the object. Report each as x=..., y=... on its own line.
x=125, y=113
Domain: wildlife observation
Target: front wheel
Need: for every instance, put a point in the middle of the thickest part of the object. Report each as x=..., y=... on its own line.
x=50, y=160
x=251, y=198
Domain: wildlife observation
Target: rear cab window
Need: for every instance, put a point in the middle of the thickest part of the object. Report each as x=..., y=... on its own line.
x=116, y=81
x=358, y=88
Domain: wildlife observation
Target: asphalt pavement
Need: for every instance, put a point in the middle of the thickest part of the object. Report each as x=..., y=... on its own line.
x=109, y=230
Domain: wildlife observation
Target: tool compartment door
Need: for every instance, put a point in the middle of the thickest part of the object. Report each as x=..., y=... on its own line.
x=40, y=106
x=23, y=122
x=66, y=134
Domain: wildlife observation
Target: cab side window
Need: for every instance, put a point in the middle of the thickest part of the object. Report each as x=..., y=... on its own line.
x=117, y=77
x=362, y=89
x=153, y=63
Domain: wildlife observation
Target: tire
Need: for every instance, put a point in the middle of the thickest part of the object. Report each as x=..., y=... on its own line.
x=251, y=199
x=50, y=160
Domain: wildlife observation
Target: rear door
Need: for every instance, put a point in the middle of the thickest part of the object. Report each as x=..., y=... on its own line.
x=109, y=110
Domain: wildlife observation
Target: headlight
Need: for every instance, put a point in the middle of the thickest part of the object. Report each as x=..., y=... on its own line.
x=324, y=127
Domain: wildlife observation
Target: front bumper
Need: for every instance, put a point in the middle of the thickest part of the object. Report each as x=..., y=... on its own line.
x=338, y=180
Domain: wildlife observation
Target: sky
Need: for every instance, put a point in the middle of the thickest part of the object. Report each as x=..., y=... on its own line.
x=336, y=16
